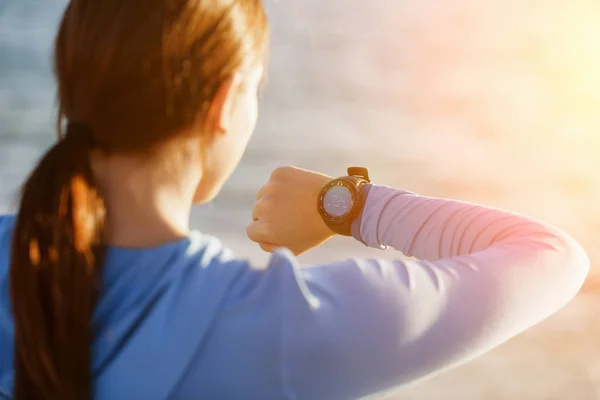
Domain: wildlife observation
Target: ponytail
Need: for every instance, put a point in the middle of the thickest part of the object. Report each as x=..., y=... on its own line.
x=57, y=253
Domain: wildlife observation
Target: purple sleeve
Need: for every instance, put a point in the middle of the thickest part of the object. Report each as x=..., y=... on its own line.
x=479, y=276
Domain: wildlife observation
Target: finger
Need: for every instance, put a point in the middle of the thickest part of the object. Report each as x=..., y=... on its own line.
x=262, y=191
x=257, y=231
x=259, y=209
x=268, y=247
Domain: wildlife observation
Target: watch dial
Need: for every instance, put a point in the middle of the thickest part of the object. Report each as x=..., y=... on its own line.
x=338, y=201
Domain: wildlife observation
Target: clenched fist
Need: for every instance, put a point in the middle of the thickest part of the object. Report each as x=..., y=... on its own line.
x=285, y=213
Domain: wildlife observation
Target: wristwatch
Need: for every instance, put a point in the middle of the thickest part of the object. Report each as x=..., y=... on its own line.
x=342, y=200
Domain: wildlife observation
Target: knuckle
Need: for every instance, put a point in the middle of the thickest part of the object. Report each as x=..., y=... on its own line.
x=280, y=172
x=277, y=172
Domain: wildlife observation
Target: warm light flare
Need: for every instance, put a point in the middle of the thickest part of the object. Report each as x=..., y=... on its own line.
x=500, y=103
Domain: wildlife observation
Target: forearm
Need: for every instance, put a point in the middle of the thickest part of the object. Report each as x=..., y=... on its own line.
x=433, y=228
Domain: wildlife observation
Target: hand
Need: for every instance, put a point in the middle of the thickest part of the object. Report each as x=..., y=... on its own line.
x=285, y=213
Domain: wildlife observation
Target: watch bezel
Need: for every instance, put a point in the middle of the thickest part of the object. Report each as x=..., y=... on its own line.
x=354, y=192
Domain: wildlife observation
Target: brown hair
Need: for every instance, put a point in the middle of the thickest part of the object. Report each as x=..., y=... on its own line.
x=131, y=76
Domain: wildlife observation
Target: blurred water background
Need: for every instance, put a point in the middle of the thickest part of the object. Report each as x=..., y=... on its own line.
x=495, y=102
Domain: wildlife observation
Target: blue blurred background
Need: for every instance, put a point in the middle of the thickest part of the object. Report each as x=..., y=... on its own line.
x=495, y=102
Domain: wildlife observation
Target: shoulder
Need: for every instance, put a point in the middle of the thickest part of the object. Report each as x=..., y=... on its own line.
x=203, y=264
x=255, y=284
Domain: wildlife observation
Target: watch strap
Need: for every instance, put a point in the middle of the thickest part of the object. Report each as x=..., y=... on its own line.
x=356, y=223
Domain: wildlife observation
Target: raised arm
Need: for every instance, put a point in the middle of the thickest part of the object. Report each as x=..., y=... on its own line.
x=481, y=276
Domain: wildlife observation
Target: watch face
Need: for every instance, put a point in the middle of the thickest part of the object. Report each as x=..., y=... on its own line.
x=338, y=201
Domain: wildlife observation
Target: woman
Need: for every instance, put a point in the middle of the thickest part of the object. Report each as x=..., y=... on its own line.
x=107, y=294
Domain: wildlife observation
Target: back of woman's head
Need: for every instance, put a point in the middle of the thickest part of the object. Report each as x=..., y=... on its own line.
x=131, y=76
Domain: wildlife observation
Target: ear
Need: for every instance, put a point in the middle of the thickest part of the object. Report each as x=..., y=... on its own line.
x=220, y=110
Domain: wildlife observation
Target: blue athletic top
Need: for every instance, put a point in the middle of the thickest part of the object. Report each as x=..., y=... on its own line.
x=190, y=320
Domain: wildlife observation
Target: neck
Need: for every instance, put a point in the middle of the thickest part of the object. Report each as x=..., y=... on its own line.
x=144, y=210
